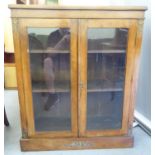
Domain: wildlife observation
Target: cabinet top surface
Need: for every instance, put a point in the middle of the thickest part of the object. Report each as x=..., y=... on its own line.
x=61, y=7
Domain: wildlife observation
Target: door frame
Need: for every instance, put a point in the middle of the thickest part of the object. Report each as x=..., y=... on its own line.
x=28, y=101
x=84, y=24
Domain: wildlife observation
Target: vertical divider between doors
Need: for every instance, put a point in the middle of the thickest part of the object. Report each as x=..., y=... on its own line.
x=82, y=79
x=74, y=77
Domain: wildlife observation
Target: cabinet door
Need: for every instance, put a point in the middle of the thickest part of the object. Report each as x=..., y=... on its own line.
x=106, y=54
x=49, y=63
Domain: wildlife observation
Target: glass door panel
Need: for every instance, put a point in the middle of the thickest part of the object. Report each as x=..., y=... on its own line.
x=49, y=56
x=106, y=61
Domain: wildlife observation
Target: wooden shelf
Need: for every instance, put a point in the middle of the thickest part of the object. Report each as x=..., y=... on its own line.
x=63, y=87
x=49, y=51
x=40, y=87
x=66, y=51
x=67, y=90
x=105, y=90
x=106, y=51
x=48, y=91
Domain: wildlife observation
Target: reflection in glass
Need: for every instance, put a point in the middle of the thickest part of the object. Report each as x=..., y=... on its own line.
x=105, y=75
x=49, y=52
x=104, y=110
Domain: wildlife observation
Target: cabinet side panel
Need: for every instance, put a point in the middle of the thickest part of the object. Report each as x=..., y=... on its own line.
x=19, y=74
x=129, y=75
x=138, y=42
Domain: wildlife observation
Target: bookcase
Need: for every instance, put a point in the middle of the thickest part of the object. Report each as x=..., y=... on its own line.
x=77, y=72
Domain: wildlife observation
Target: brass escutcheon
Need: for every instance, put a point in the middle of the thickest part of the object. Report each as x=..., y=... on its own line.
x=78, y=144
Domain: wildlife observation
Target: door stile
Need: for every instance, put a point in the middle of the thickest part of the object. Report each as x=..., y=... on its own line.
x=82, y=72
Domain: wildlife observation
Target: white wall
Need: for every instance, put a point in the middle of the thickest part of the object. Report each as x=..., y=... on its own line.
x=143, y=102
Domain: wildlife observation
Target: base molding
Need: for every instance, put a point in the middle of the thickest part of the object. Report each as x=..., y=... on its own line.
x=41, y=144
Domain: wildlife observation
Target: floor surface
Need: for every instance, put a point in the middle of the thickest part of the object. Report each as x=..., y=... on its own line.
x=142, y=145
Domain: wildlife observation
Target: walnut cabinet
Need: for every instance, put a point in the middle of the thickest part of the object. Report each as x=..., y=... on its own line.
x=77, y=71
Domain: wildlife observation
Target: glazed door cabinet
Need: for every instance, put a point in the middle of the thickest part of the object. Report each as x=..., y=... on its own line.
x=106, y=51
x=77, y=71
x=50, y=76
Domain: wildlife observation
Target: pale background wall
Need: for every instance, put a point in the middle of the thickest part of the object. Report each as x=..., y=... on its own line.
x=143, y=102
x=9, y=47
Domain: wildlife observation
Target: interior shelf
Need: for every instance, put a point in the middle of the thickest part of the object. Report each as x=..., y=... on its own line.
x=64, y=88
x=49, y=51
x=66, y=91
x=48, y=91
x=105, y=90
x=107, y=51
x=89, y=51
x=40, y=87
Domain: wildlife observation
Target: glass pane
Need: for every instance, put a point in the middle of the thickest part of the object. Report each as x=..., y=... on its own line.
x=49, y=53
x=105, y=77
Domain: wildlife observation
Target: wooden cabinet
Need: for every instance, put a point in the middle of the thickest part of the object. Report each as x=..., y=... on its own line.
x=77, y=74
